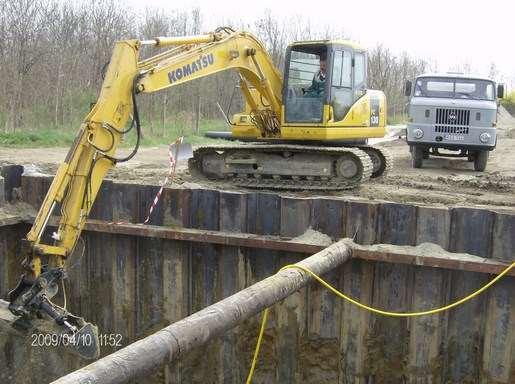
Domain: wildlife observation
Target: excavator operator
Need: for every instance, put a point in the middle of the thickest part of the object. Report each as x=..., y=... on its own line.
x=316, y=89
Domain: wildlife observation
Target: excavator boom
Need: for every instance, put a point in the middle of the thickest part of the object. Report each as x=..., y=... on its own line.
x=93, y=153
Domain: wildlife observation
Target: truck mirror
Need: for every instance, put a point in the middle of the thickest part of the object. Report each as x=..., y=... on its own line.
x=500, y=91
x=407, y=88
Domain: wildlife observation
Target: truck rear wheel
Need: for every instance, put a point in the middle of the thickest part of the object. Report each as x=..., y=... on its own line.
x=480, y=160
x=417, y=156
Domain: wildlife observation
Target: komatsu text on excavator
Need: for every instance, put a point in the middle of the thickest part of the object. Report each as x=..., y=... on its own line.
x=308, y=130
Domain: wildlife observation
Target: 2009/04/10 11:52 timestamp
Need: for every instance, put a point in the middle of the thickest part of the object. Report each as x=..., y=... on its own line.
x=55, y=340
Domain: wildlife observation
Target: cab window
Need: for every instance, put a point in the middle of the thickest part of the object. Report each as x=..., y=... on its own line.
x=342, y=69
x=341, y=84
x=359, y=71
x=305, y=88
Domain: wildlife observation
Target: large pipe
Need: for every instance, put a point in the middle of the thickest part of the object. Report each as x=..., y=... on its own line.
x=168, y=344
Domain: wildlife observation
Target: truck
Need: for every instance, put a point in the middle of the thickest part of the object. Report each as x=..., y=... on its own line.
x=454, y=112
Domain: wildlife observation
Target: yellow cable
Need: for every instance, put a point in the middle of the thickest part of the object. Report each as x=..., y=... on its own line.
x=368, y=308
x=258, y=345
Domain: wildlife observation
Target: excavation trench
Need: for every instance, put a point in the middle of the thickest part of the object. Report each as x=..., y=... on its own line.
x=204, y=245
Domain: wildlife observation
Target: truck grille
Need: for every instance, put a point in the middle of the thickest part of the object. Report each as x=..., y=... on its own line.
x=451, y=120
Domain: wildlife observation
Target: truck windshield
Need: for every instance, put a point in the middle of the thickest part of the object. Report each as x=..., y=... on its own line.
x=454, y=88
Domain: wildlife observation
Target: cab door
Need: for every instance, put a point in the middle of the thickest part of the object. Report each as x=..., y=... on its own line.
x=304, y=94
x=348, y=80
x=341, y=96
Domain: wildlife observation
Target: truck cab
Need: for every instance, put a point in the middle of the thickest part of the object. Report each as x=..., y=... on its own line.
x=455, y=112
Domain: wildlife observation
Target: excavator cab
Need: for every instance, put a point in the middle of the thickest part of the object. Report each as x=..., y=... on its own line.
x=319, y=73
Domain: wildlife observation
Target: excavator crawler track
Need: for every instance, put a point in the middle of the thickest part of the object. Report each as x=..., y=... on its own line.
x=382, y=160
x=254, y=179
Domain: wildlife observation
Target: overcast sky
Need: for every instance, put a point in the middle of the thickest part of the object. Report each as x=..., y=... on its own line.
x=448, y=32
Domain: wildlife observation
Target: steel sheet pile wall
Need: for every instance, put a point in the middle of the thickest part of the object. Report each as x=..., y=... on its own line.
x=133, y=286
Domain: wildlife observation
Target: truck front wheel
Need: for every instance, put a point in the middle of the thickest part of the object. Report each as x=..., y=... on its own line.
x=480, y=160
x=417, y=156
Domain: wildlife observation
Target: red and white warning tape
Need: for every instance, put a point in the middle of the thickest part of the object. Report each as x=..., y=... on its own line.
x=171, y=172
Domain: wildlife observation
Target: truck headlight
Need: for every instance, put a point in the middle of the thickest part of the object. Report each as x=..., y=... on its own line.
x=418, y=133
x=484, y=137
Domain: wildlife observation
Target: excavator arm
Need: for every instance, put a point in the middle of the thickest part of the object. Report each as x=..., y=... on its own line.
x=93, y=153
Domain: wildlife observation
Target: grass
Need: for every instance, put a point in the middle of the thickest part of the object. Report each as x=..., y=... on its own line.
x=509, y=102
x=63, y=137
x=39, y=138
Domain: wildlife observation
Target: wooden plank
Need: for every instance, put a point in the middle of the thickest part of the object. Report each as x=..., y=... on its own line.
x=233, y=217
x=293, y=344
x=503, y=238
x=471, y=231
x=463, y=342
x=263, y=218
x=204, y=236
x=426, y=333
x=176, y=284
x=397, y=224
x=320, y=346
x=204, y=214
x=176, y=273
x=146, y=198
x=295, y=216
x=499, y=343
x=233, y=212
x=361, y=224
x=102, y=207
x=329, y=217
x=34, y=189
x=388, y=340
x=124, y=200
x=99, y=310
x=498, y=365
x=357, y=278
x=433, y=226
x=150, y=292
x=125, y=281
x=231, y=278
x=424, y=255
x=264, y=212
x=176, y=204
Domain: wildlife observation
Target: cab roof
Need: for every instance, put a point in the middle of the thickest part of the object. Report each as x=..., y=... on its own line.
x=455, y=75
x=346, y=43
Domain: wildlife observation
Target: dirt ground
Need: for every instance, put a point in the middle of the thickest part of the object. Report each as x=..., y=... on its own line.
x=441, y=181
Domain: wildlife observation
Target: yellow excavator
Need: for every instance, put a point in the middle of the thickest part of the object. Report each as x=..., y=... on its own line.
x=308, y=130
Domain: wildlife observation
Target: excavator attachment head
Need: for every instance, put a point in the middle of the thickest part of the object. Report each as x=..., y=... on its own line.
x=33, y=312
x=181, y=151
x=85, y=342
